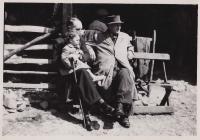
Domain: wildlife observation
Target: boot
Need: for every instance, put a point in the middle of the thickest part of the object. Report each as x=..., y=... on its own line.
x=88, y=124
x=119, y=111
x=106, y=109
x=124, y=121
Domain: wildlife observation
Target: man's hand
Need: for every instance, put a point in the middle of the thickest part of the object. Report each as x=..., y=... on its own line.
x=74, y=57
x=91, y=52
x=130, y=53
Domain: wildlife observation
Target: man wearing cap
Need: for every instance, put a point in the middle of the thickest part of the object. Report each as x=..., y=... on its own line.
x=112, y=49
x=98, y=24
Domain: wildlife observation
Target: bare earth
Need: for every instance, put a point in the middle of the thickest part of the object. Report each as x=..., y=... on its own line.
x=49, y=122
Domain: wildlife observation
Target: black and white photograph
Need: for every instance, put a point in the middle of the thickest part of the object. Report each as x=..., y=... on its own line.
x=99, y=69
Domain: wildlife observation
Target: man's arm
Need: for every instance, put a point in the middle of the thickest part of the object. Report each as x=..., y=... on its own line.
x=91, y=52
x=130, y=50
x=88, y=38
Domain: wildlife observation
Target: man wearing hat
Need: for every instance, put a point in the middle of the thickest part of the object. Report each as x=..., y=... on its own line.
x=112, y=50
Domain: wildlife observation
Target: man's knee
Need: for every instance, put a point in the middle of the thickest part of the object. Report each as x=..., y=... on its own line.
x=124, y=74
x=83, y=74
x=81, y=71
x=123, y=71
x=124, y=79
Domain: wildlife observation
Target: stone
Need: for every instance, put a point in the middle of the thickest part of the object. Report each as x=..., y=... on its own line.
x=44, y=104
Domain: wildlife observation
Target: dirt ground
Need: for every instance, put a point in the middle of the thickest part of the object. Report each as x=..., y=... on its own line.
x=35, y=121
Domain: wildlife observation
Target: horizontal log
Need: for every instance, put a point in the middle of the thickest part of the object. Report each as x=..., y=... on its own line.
x=161, y=84
x=29, y=72
x=152, y=110
x=152, y=56
x=20, y=60
x=29, y=86
x=34, y=47
x=27, y=28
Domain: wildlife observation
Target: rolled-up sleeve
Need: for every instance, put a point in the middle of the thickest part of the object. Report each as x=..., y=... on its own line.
x=130, y=50
x=87, y=43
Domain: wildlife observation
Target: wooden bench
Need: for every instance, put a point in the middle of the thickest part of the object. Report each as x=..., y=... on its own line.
x=161, y=109
x=153, y=57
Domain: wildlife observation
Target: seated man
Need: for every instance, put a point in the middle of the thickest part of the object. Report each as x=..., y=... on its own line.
x=112, y=49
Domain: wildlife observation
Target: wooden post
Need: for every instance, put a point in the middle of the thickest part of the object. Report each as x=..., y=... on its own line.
x=67, y=14
x=154, y=43
x=168, y=90
x=165, y=74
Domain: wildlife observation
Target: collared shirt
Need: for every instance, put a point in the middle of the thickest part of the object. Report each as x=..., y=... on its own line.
x=114, y=37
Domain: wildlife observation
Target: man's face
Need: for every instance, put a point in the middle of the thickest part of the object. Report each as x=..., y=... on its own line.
x=80, y=31
x=115, y=28
x=77, y=25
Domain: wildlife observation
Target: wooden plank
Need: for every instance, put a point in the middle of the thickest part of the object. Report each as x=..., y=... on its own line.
x=153, y=56
x=29, y=72
x=143, y=55
x=20, y=60
x=34, y=47
x=148, y=38
x=152, y=110
x=27, y=28
x=160, y=84
x=29, y=86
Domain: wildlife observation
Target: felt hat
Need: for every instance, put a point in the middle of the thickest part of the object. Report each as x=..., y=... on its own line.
x=114, y=19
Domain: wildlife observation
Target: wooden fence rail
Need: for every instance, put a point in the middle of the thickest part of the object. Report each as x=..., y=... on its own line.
x=29, y=86
x=20, y=60
x=27, y=28
x=33, y=47
x=29, y=72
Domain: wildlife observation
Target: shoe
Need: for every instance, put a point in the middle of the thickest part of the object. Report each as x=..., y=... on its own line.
x=127, y=109
x=95, y=125
x=119, y=111
x=106, y=109
x=88, y=124
x=124, y=121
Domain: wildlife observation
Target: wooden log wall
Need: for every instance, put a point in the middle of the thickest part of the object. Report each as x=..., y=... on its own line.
x=32, y=67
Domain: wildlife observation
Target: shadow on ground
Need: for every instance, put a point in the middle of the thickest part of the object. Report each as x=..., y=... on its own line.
x=69, y=112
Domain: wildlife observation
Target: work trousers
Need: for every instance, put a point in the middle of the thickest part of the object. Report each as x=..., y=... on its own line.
x=122, y=86
x=120, y=90
x=84, y=87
